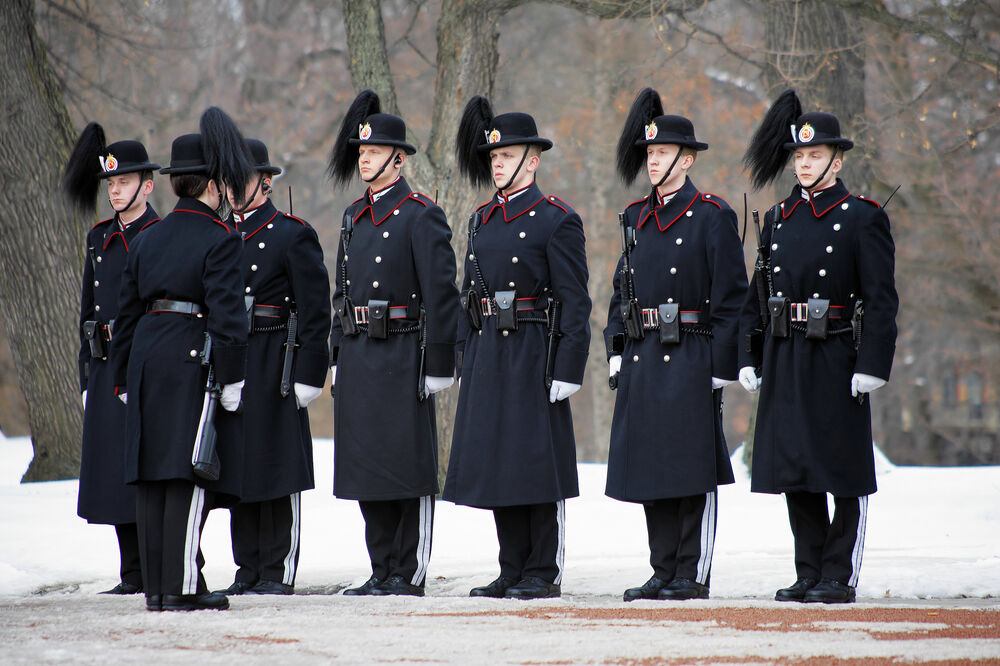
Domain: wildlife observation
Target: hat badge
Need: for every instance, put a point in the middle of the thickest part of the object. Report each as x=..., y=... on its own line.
x=806, y=133
x=651, y=131
x=109, y=163
x=493, y=136
x=365, y=131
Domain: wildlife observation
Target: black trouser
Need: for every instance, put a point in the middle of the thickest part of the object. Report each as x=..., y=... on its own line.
x=532, y=540
x=681, y=534
x=266, y=539
x=171, y=515
x=398, y=534
x=128, y=551
x=825, y=549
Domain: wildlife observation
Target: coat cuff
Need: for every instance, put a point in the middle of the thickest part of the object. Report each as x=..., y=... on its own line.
x=311, y=367
x=570, y=365
x=875, y=356
x=230, y=363
x=439, y=360
x=724, y=361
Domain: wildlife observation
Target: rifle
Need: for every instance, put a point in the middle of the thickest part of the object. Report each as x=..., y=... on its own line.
x=555, y=310
x=630, y=304
x=422, y=325
x=204, y=457
x=754, y=343
x=286, y=367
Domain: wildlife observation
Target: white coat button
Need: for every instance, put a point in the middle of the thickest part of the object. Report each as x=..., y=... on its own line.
x=99, y=260
x=472, y=257
x=260, y=245
x=836, y=227
x=97, y=308
x=193, y=353
x=822, y=272
x=673, y=270
x=522, y=235
x=348, y=284
x=254, y=267
x=506, y=333
x=779, y=294
x=774, y=246
x=816, y=295
x=689, y=213
x=635, y=359
x=829, y=249
x=287, y=299
x=413, y=295
x=843, y=206
x=248, y=290
x=385, y=234
x=679, y=241
x=510, y=284
x=531, y=213
x=779, y=225
x=480, y=331
x=97, y=283
x=270, y=226
x=395, y=212
x=375, y=284
x=513, y=260
x=378, y=260
x=666, y=358
x=670, y=300
x=777, y=269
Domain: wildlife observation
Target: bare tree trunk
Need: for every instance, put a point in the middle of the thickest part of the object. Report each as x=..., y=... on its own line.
x=41, y=247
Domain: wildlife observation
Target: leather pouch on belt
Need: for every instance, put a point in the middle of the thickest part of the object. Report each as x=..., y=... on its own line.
x=818, y=319
x=633, y=321
x=378, y=319
x=778, y=307
x=506, y=311
x=93, y=333
x=670, y=323
x=344, y=309
x=473, y=306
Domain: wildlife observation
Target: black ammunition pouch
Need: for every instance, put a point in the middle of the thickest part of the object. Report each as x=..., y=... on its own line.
x=506, y=305
x=378, y=319
x=670, y=323
x=777, y=307
x=343, y=308
x=633, y=321
x=98, y=336
x=818, y=319
x=473, y=306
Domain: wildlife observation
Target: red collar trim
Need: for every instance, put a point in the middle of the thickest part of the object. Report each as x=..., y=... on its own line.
x=266, y=222
x=654, y=212
x=787, y=211
x=213, y=219
x=371, y=214
x=497, y=204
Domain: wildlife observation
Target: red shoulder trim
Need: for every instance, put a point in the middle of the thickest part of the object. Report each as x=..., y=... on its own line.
x=482, y=206
x=416, y=197
x=712, y=199
x=149, y=224
x=871, y=201
x=640, y=201
x=110, y=219
x=297, y=219
x=213, y=219
x=562, y=205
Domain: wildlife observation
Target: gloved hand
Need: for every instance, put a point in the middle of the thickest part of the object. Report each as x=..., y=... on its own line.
x=231, y=395
x=333, y=375
x=85, y=400
x=562, y=390
x=123, y=397
x=614, y=365
x=862, y=383
x=434, y=384
x=721, y=383
x=749, y=379
x=304, y=394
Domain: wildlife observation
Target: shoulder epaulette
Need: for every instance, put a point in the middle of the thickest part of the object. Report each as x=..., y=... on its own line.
x=484, y=205
x=297, y=219
x=871, y=201
x=421, y=198
x=149, y=224
x=640, y=202
x=558, y=203
x=110, y=219
x=715, y=199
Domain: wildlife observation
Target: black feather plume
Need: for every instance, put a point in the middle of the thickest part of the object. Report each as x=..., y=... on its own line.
x=473, y=163
x=343, y=162
x=226, y=153
x=630, y=157
x=766, y=156
x=80, y=180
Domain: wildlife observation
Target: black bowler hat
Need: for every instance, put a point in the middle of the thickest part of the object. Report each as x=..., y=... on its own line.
x=815, y=129
x=383, y=129
x=261, y=161
x=676, y=130
x=512, y=129
x=646, y=124
x=91, y=160
x=125, y=157
x=187, y=155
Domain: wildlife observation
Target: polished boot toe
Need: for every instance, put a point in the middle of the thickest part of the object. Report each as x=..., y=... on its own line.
x=154, y=602
x=124, y=588
x=496, y=589
x=649, y=590
x=189, y=602
x=271, y=587
x=236, y=589
x=396, y=585
x=796, y=591
x=682, y=589
x=363, y=589
x=533, y=587
x=829, y=591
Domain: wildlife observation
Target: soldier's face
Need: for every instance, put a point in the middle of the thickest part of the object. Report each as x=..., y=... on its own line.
x=809, y=163
x=371, y=159
x=504, y=161
x=120, y=191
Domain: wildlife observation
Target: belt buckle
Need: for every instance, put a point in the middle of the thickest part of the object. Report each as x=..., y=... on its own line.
x=649, y=317
x=361, y=314
x=800, y=312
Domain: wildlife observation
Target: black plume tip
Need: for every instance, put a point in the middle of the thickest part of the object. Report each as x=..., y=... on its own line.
x=630, y=157
x=766, y=155
x=343, y=162
x=80, y=180
x=473, y=163
x=226, y=153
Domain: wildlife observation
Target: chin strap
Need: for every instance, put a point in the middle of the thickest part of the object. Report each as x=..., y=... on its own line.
x=256, y=188
x=130, y=202
x=809, y=188
x=517, y=170
x=381, y=169
x=670, y=169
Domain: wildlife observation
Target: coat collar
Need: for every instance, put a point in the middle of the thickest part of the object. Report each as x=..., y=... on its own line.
x=510, y=208
x=821, y=203
x=263, y=215
x=192, y=205
x=127, y=234
x=380, y=209
x=670, y=212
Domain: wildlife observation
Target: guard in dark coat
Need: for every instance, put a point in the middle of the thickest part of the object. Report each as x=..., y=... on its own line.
x=182, y=281
x=104, y=497
x=679, y=286
x=392, y=347
x=288, y=290
x=524, y=344
x=828, y=255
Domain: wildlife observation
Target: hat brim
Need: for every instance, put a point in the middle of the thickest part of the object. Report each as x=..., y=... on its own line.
x=147, y=166
x=676, y=141
x=273, y=170
x=407, y=148
x=843, y=144
x=544, y=144
x=178, y=170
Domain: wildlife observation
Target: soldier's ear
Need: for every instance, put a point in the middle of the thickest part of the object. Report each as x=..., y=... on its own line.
x=147, y=187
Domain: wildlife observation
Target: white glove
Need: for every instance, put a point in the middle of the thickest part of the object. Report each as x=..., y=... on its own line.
x=614, y=365
x=85, y=400
x=333, y=375
x=749, y=379
x=562, y=390
x=721, y=383
x=862, y=383
x=123, y=397
x=434, y=384
x=231, y=395
x=304, y=394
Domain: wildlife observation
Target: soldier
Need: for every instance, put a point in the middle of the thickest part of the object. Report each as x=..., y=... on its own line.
x=288, y=292
x=525, y=288
x=104, y=497
x=392, y=347
x=830, y=254
x=674, y=319
x=181, y=285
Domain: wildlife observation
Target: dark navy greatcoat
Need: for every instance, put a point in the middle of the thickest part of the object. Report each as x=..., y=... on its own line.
x=282, y=266
x=511, y=446
x=811, y=434
x=385, y=439
x=104, y=496
x=190, y=255
x=666, y=434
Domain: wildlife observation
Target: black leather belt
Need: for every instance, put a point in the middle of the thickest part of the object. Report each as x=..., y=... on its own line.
x=527, y=304
x=395, y=312
x=799, y=312
x=651, y=318
x=180, y=307
x=269, y=311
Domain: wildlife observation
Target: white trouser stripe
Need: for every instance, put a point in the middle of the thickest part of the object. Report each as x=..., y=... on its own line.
x=426, y=527
x=201, y=427
x=192, y=541
x=561, y=545
x=708, y=523
x=289, y=576
x=859, y=542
